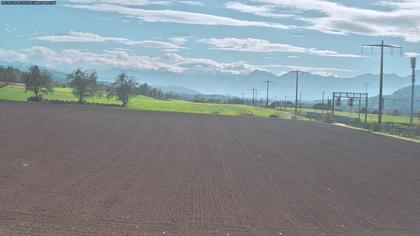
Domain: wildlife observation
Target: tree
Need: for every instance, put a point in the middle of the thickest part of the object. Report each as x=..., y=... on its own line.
x=10, y=74
x=38, y=81
x=83, y=84
x=123, y=88
x=143, y=89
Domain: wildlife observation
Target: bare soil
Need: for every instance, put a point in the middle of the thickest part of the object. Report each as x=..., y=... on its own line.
x=93, y=171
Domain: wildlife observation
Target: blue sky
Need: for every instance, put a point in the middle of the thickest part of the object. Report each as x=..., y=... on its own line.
x=233, y=37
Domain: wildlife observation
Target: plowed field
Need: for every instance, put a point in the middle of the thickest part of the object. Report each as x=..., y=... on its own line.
x=91, y=171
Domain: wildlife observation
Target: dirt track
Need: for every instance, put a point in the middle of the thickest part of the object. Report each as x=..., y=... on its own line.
x=86, y=171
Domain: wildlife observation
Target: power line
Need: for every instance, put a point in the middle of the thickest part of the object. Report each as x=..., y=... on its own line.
x=381, y=83
x=297, y=90
x=254, y=92
x=268, y=82
x=370, y=66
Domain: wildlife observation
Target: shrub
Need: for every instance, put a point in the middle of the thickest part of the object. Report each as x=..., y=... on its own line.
x=35, y=99
x=329, y=118
x=375, y=127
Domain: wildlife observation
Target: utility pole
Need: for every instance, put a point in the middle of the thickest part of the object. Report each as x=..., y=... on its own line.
x=366, y=101
x=381, y=83
x=297, y=90
x=256, y=96
x=328, y=104
x=268, y=82
x=413, y=80
x=323, y=96
x=360, y=105
x=254, y=90
x=300, y=101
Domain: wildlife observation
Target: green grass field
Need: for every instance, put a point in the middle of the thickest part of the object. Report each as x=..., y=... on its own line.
x=372, y=118
x=16, y=93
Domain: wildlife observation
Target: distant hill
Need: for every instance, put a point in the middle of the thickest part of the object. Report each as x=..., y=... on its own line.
x=198, y=82
x=56, y=75
x=401, y=100
x=178, y=90
x=311, y=85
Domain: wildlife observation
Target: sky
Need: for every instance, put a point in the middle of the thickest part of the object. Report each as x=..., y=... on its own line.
x=230, y=37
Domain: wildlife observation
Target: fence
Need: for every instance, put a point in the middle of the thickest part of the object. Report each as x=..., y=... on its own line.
x=393, y=128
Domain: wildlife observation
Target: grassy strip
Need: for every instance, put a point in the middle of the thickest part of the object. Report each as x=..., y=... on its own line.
x=372, y=118
x=378, y=133
x=17, y=93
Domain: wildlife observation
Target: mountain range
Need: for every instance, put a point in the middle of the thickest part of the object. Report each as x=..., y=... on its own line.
x=311, y=85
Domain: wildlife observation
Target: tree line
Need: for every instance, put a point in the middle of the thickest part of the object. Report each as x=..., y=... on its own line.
x=84, y=84
x=10, y=75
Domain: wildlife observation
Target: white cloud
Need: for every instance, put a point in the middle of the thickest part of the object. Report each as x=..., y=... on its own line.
x=209, y=65
x=265, y=46
x=193, y=3
x=411, y=54
x=402, y=21
x=11, y=55
x=178, y=40
x=78, y=37
x=122, y=2
x=82, y=37
x=138, y=2
x=404, y=4
x=9, y=28
x=72, y=58
x=323, y=71
x=69, y=59
x=260, y=10
x=173, y=16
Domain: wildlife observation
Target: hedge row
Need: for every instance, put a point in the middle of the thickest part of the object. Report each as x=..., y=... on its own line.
x=57, y=101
